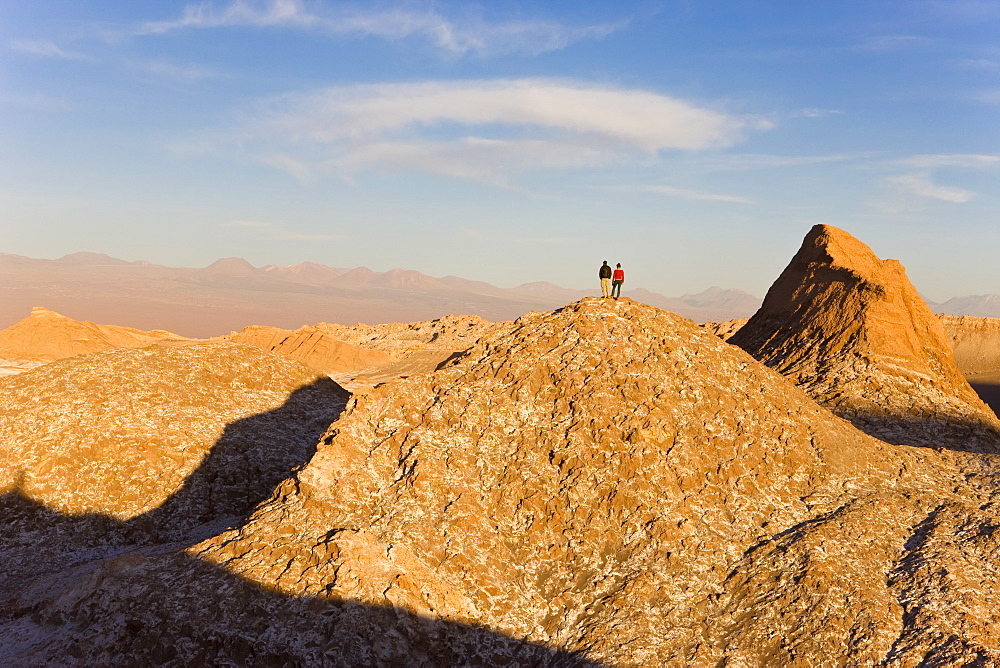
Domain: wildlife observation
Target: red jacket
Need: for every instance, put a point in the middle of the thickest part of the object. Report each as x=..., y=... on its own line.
x=619, y=275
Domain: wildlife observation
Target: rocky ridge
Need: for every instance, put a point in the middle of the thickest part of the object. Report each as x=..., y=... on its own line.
x=453, y=332
x=603, y=483
x=311, y=346
x=852, y=331
x=510, y=489
x=45, y=336
x=120, y=431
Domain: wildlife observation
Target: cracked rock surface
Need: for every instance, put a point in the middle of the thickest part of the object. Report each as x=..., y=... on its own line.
x=604, y=484
x=853, y=332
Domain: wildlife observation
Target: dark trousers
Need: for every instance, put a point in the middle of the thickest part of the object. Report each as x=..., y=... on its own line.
x=616, y=289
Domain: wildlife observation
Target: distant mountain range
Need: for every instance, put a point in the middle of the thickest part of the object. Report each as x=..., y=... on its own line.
x=984, y=306
x=231, y=294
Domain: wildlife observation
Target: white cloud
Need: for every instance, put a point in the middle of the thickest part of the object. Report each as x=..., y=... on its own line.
x=296, y=168
x=274, y=232
x=980, y=64
x=624, y=118
x=683, y=193
x=756, y=161
x=814, y=112
x=480, y=129
x=35, y=101
x=884, y=43
x=970, y=161
x=456, y=36
x=920, y=184
x=181, y=73
x=46, y=50
x=987, y=96
x=697, y=194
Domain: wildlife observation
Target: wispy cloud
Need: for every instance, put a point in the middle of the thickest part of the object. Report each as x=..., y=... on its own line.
x=481, y=129
x=738, y=162
x=454, y=35
x=987, y=96
x=920, y=184
x=34, y=101
x=682, y=193
x=162, y=69
x=885, y=43
x=980, y=64
x=815, y=112
x=965, y=160
x=274, y=232
x=46, y=50
x=296, y=168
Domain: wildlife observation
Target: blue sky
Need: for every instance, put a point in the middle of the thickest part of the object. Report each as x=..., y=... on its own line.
x=695, y=142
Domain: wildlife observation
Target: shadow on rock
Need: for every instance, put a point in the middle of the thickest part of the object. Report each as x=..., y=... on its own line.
x=969, y=435
x=93, y=590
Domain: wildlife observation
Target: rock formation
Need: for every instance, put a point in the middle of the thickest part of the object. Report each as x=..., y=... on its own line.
x=725, y=330
x=852, y=331
x=313, y=347
x=46, y=336
x=452, y=332
x=119, y=432
x=606, y=483
x=590, y=481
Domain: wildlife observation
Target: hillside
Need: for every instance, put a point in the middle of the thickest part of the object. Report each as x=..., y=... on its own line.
x=606, y=483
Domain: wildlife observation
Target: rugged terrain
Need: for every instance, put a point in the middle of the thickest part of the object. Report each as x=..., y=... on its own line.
x=852, y=331
x=606, y=483
x=45, y=336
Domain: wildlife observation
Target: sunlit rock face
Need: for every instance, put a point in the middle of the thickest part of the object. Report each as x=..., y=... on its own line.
x=46, y=336
x=851, y=330
x=605, y=484
x=120, y=432
x=452, y=331
x=312, y=347
x=587, y=481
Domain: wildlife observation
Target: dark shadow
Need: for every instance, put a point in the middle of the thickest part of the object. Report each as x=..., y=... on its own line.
x=93, y=590
x=930, y=431
x=988, y=391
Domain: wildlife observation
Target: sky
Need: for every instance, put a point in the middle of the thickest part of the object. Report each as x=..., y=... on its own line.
x=695, y=142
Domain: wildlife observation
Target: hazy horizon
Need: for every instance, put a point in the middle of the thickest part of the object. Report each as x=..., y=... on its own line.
x=506, y=143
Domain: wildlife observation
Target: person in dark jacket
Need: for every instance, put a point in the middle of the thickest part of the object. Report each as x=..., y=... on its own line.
x=617, y=278
x=605, y=275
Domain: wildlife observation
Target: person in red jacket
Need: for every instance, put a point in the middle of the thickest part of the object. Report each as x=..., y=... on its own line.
x=617, y=278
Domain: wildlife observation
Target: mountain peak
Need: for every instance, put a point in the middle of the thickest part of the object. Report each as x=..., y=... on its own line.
x=852, y=330
x=231, y=266
x=84, y=257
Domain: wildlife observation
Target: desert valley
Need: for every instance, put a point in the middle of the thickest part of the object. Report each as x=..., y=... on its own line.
x=544, y=479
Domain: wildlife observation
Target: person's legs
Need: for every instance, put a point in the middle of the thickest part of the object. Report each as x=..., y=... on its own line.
x=616, y=289
x=605, y=287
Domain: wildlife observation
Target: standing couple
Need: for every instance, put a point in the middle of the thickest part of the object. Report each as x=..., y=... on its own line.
x=611, y=281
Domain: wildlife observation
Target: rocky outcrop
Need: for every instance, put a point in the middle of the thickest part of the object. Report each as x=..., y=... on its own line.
x=45, y=336
x=725, y=330
x=606, y=483
x=119, y=433
x=852, y=331
x=313, y=347
x=453, y=332
x=587, y=481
